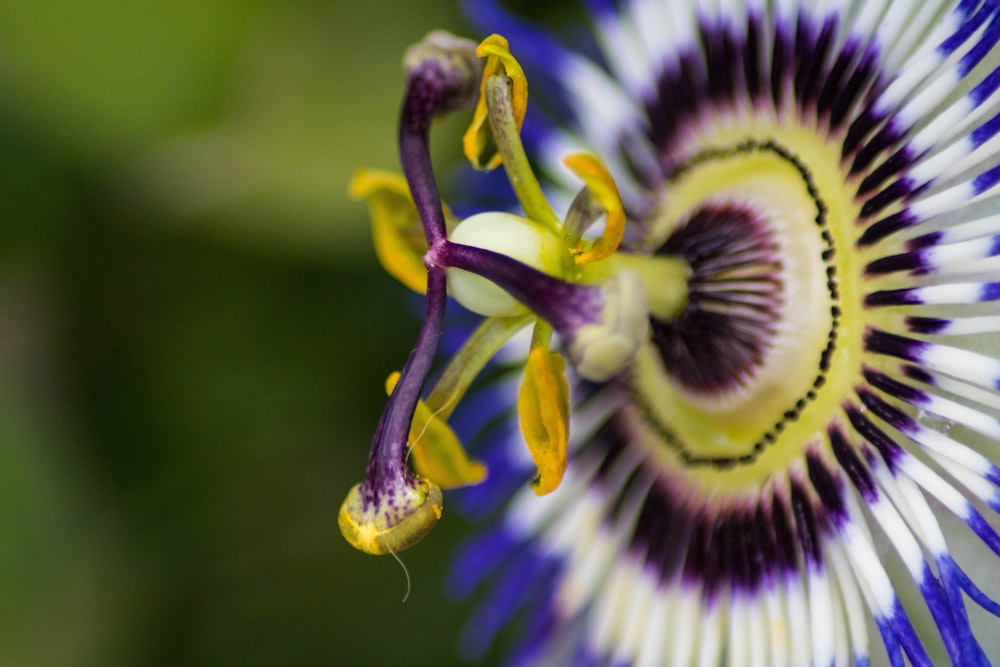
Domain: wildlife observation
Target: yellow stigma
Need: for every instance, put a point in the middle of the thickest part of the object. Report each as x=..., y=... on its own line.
x=383, y=529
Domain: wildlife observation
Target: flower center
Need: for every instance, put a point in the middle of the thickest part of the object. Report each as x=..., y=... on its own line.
x=715, y=350
x=736, y=382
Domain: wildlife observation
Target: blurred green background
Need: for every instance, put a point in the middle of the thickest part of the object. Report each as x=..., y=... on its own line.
x=194, y=334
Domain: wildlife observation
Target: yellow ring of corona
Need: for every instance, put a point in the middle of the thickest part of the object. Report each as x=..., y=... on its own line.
x=795, y=179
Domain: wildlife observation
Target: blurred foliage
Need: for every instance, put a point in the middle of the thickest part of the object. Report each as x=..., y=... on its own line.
x=194, y=334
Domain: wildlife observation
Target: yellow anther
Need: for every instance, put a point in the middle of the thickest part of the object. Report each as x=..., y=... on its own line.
x=478, y=143
x=543, y=412
x=396, y=229
x=436, y=451
x=591, y=170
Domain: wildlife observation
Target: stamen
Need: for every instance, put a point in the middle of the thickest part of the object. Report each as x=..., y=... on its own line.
x=503, y=101
x=543, y=411
x=478, y=143
x=583, y=211
x=434, y=448
x=467, y=363
x=515, y=161
x=595, y=175
x=394, y=221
